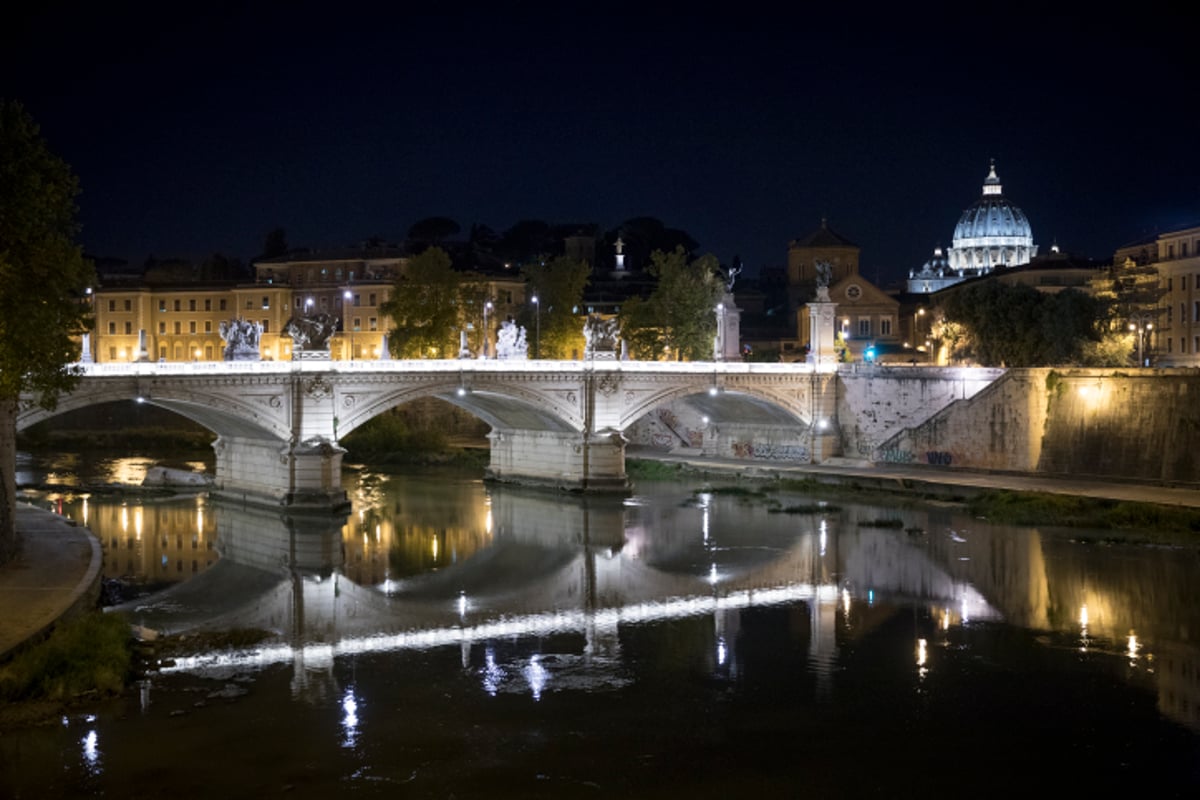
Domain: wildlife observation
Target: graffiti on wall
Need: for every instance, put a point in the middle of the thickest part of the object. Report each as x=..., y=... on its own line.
x=939, y=458
x=894, y=455
x=770, y=451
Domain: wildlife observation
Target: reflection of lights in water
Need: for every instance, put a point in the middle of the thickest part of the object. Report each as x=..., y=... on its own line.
x=91, y=751
x=922, y=657
x=712, y=574
x=493, y=675
x=487, y=522
x=845, y=602
x=870, y=597
x=946, y=619
x=1083, y=628
x=721, y=652
x=704, y=524
x=824, y=536
x=138, y=521
x=462, y=604
x=377, y=531
x=200, y=521
x=536, y=674
x=84, y=510
x=349, y=719
x=1133, y=646
x=965, y=616
x=434, y=548
x=124, y=519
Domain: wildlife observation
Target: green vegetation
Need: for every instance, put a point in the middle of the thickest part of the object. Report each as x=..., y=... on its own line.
x=91, y=654
x=881, y=523
x=1039, y=508
x=44, y=303
x=679, y=319
x=808, y=508
x=649, y=470
x=553, y=324
x=422, y=432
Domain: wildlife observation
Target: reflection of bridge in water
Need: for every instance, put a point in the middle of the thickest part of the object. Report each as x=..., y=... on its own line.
x=588, y=567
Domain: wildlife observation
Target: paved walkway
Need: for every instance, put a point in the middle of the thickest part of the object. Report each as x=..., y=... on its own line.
x=57, y=571
x=937, y=481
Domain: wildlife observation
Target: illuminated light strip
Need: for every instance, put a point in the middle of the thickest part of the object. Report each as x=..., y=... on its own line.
x=528, y=625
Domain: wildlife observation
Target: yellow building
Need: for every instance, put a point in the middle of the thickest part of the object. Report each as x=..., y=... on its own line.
x=183, y=323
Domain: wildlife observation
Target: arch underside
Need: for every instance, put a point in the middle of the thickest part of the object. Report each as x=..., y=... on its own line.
x=216, y=413
x=726, y=406
x=510, y=410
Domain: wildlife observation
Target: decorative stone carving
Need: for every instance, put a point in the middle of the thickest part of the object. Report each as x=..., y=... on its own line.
x=601, y=337
x=311, y=332
x=241, y=339
x=510, y=342
x=318, y=388
x=609, y=384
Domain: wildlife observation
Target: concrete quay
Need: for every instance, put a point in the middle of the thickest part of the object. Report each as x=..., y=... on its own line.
x=56, y=572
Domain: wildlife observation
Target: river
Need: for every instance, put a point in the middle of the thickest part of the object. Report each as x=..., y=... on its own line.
x=449, y=638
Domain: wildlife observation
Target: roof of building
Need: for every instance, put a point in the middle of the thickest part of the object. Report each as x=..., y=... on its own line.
x=823, y=236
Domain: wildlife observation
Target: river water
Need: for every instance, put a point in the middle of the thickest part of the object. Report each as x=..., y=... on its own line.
x=448, y=638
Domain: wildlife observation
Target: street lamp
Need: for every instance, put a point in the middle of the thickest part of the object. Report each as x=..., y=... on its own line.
x=720, y=332
x=537, y=322
x=916, y=331
x=308, y=304
x=1143, y=327
x=345, y=312
x=487, y=306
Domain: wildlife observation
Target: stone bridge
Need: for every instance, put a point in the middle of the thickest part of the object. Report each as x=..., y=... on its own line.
x=556, y=423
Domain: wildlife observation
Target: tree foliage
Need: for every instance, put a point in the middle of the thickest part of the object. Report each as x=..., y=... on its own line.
x=678, y=321
x=43, y=282
x=432, y=231
x=425, y=307
x=553, y=326
x=1018, y=326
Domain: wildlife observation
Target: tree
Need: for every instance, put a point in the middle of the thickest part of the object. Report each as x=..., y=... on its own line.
x=43, y=285
x=276, y=244
x=425, y=308
x=432, y=231
x=553, y=326
x=679, y=318
x=1018, y=326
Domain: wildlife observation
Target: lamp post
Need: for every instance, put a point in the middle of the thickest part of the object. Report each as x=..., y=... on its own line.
x=487, y=306
x=1141, y=325
x=916, y=331
x=720, y=332
x=537, y=322
x=347, y=295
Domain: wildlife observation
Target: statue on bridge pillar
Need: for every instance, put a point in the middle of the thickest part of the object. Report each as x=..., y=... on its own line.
x=510, y=342
x=241, y=338
x=600, y=338
x=310, y=336
x=822, y=316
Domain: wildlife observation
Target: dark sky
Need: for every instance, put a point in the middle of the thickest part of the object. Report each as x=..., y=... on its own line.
x=197, y=131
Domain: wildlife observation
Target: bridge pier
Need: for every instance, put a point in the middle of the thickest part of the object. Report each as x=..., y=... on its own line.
x=304, y=476
x=577, y=462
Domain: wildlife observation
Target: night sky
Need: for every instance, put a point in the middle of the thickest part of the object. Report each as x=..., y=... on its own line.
x=197, y=132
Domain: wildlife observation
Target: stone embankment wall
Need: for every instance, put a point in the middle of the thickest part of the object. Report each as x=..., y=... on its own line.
x=1136, y=424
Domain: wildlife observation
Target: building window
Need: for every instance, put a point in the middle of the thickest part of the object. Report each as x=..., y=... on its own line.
x=192, y=326
x=373, y=323
x=1183, y=250
x=885, y=327
x=128, y=328
x=221, y=304
x=162, y=327
x=191, y=305
x=357, y=299
x=177, y=305
x=112, y=328
x=162, y=306
x=112, y=305
x=324, y=303
x=1183, y=283
x=371, y=299
x=1196, y=311
x=112, y=354
x=208, y=326
x=864, y=327
x=208, y=304
x=178, y=326
x=266, y=323
x=266, y=302
x=358, y=323
x=162, y=353
x=129, y=305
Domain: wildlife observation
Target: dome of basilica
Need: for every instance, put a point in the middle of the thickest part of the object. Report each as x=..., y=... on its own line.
x=992, y=232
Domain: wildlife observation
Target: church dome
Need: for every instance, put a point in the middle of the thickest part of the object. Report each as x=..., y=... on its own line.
x=992, y=232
